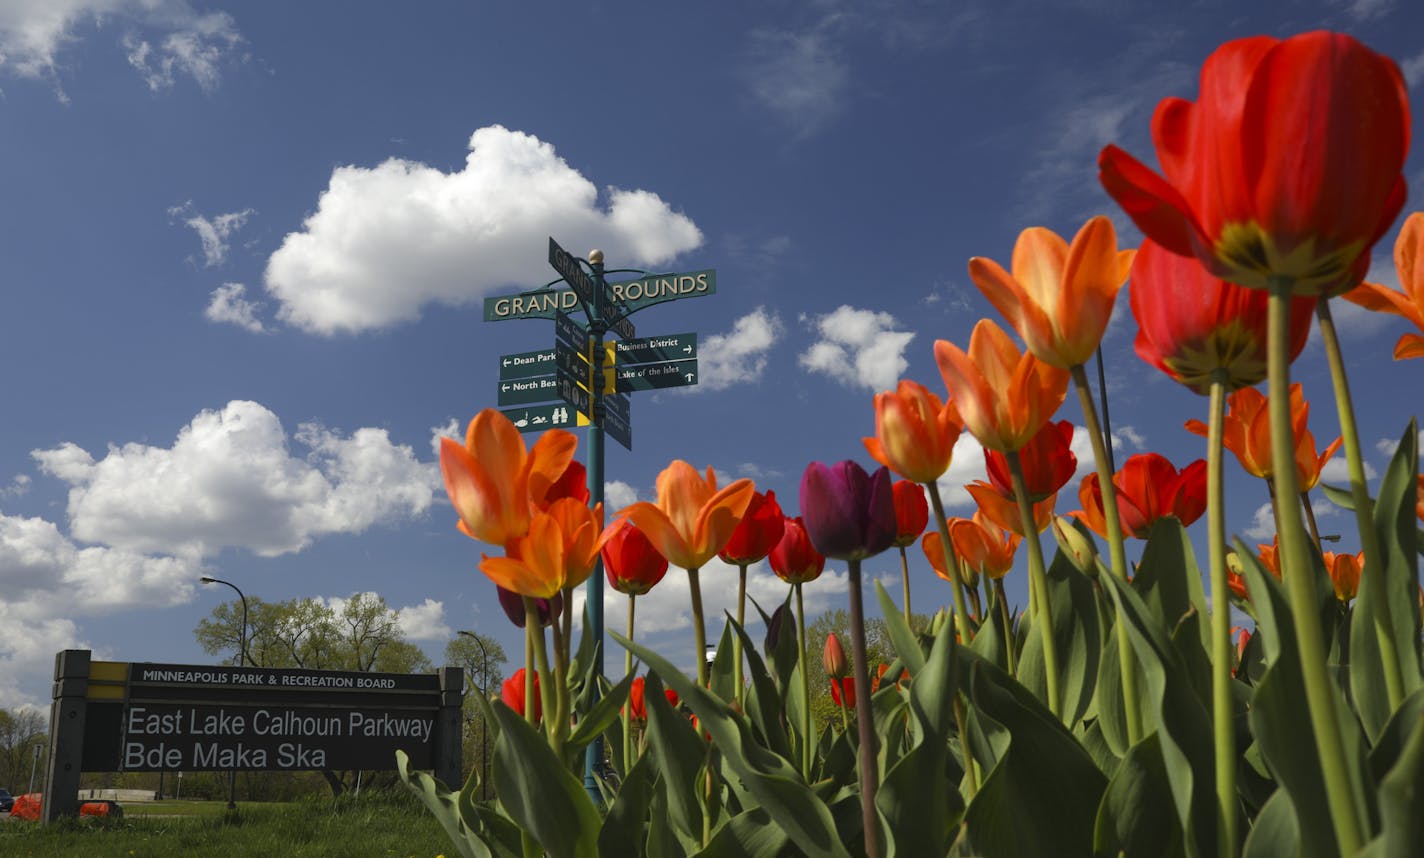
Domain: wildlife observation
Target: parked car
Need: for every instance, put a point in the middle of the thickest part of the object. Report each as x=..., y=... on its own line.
x=7, y=801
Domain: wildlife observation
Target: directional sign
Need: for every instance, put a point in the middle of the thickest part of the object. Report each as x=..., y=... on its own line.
x=617, y=405
x=526, y=364
x=619, y=429
x=635, y=294
x=568, y=267
x=521, y=391
x=572, y=363
x=570, y=392
x=652, y=376
x=656, y=349
x=568, y=329
x=537, y=418
x=657, y=288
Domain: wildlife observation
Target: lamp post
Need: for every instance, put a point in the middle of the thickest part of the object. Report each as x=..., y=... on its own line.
x=35, y=765
x=484, y=728
x=241, y=659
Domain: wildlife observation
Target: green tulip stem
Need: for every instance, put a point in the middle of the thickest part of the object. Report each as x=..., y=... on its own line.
x=699, y=627
x=1223, y=729
x=1002, y=598
x=1295, y=566
x=971, y=774
x=1117, y=551
x=546, y=680
x=628, y=756
x=1038, y=582
x=865, y=720
x=845, y=711
x=905, y=584
x=737, y=639
x=530, y=671
x=807, y=743
x=951, y=564
x=1364, y=510
x=1310, y=520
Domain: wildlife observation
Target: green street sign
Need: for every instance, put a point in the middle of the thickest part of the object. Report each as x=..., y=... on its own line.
x=522, y=391
x=617, y=404
x=656, y=349
x=632, y=294
x=569, y=330
x=537, y=418
x=657, y=288
x=526, y=364
x=654, y=376
x=569, y=391
x=619, y=429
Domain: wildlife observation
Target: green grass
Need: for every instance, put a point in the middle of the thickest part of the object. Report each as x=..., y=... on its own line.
x=393, y=824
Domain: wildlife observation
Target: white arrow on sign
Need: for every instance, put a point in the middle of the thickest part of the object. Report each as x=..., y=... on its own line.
x=689, y=378
x=507, y=361
x=503, y=388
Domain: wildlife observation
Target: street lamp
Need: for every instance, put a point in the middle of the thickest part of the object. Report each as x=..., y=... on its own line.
x=242, y=632
x=241, y=658
x=484, y=728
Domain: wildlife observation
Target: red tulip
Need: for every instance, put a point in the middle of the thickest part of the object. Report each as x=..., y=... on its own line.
x=512, y=693
x=1287, y=165
x=843, y=692
x=1191, y=324
x=833, y=658
x=1149, y=488
x=631, y=561
x=912, y=512
x=637, y=706
x=758, y=532
x=1048, y=462
x=794, y=559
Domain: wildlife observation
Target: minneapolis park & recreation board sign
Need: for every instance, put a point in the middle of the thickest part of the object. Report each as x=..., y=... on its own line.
x=142, y=717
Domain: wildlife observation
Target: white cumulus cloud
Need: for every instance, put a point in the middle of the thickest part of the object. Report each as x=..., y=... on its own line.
x=425, y=622
x=230, y=480
x=228, y=304
x=387, y=241
x=739, y=355
x=858, y=348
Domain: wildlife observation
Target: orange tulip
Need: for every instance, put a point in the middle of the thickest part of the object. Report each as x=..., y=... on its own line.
x=692, y=520
x=914, y=432
x=1344, y=572
x=1270, y=556
x=1060, y=296
x=1247, y=433
x=1408, y=303
x=983, y=546
x=559, y=551
x=1003, y=396
x=494, y=483
x=1003, y=510
x=1254, y=183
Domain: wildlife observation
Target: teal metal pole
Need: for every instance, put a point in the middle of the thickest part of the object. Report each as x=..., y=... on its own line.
x=593, y=622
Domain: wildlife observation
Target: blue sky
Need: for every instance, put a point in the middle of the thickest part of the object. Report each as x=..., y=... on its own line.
x=243, y=250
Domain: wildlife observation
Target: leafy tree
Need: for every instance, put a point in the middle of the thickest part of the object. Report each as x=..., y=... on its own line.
x=21, y=731
x=878, y=650
x=482, y=658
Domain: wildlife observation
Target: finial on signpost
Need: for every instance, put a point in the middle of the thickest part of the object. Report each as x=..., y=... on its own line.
x=595, y=257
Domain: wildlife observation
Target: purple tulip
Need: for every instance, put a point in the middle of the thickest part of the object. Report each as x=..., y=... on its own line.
x=513, y=604
x=849, y=514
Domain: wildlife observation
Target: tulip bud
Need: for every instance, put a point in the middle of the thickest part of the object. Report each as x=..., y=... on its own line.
x=513, y=605
x=833, y=658
x=1077, y=545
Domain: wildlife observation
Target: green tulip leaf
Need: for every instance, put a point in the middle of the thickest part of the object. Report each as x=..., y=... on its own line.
x=539, y=793
x=763, y=704
x=444, y=805
x=1136, y=816
x=679, y=754
x=749, y=834
x=624, y=830
x=1276, y=832
x=907, y=645
x=599, y=718
x=775, y=783
x=1078, y=636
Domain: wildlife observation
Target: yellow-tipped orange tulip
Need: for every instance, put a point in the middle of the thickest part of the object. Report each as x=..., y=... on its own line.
x=1409, y=302
x=1059, y=296
x=559, y=551
x=1003, y=511
x=493, y=481
x=1247, y=433
x=914, y=432
x=983, y=546
x=1004, y=396
x=692, y=520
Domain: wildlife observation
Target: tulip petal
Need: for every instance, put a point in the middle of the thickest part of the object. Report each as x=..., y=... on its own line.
x=661, y=532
